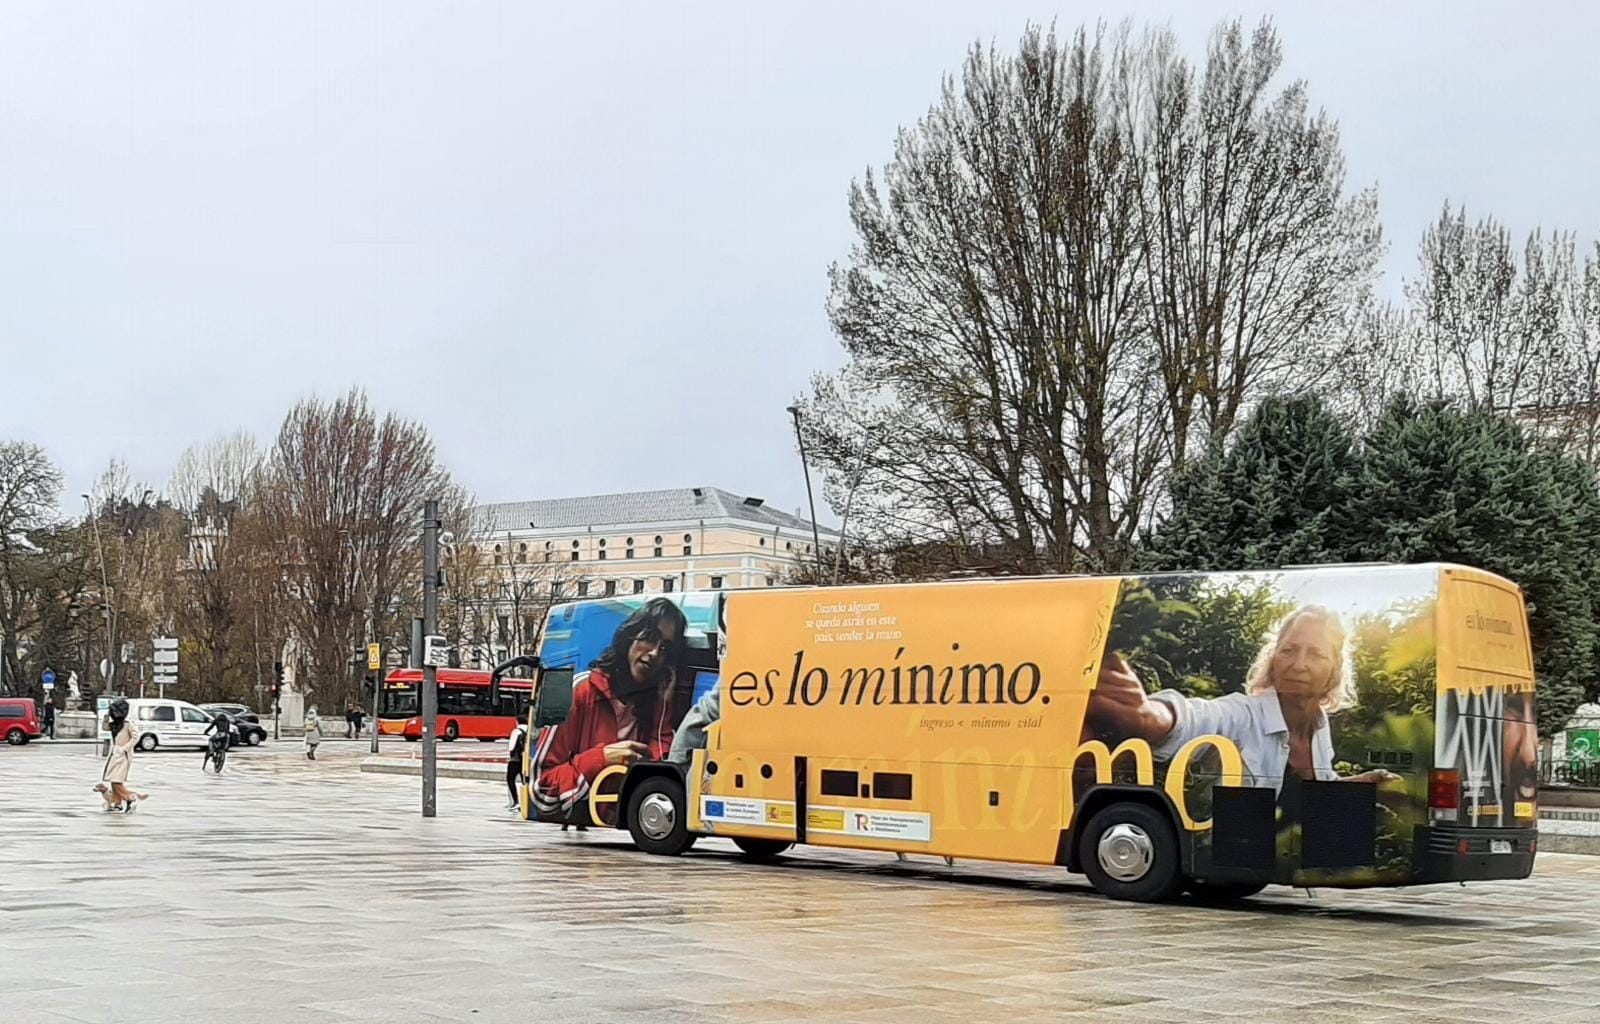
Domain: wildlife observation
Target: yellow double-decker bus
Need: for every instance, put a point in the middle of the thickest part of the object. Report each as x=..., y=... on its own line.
x=1325, y=726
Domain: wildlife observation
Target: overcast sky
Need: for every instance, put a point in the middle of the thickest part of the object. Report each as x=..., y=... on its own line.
x=588, y=250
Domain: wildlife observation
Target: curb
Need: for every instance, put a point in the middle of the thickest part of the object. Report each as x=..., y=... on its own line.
x=447, y=769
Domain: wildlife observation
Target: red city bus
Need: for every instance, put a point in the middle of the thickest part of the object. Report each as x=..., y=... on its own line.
x=471, y=704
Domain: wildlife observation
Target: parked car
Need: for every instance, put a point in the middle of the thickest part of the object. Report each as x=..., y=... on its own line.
x=19, y=720
x=168, y=723
x=235, y=710
x=250, y=730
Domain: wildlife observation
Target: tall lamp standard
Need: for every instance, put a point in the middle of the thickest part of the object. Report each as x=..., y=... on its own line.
x=105, y=583
x=816, y=538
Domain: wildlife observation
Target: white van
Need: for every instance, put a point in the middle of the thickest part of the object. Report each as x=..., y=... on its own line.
x=168, y=723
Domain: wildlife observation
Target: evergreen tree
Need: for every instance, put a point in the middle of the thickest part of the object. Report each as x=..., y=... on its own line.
x=1438, y=484
x=1264, y=501
x=1429, y=483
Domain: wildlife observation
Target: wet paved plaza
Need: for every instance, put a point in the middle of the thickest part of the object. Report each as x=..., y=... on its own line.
x=286, y=891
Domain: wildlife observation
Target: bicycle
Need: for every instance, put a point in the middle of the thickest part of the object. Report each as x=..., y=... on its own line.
x=216, y=754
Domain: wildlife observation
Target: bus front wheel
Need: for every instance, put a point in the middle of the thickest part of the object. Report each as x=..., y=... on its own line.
x=761, y=849
x=1130, y=852
x=658, y=819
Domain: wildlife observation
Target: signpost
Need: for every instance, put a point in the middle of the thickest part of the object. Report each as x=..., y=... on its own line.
x=166, y=662
x=375, y=665
x=48, y=679
x=430, y=674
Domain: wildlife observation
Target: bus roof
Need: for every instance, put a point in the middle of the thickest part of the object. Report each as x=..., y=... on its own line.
x=454, y=677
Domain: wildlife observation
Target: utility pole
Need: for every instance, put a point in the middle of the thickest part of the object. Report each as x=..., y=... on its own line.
x=430, y=674
x=816, y=538
x=105, y=590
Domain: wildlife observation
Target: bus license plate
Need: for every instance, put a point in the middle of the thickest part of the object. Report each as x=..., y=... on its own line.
x=1499, y=846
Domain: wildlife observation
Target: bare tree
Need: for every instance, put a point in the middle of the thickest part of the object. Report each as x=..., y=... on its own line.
x=30, y=487
x=343, y=505
x=216, y=487
x=498, y=593
x=1253, y=255
x=1080, y=262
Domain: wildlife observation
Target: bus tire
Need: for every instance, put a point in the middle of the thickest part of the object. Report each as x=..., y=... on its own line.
x=658, y=817
x=451, y=731
x=761, y=850
x=1222, y=892
x=1130, y=852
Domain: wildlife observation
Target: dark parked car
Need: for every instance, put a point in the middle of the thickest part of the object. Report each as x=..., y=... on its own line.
x=244, y=720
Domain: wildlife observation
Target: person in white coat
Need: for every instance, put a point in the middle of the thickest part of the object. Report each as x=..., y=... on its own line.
x=1301, y=676
x=313, y=733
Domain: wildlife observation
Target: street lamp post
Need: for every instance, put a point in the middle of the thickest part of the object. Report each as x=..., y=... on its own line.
x=816, y=538
x=105, y=584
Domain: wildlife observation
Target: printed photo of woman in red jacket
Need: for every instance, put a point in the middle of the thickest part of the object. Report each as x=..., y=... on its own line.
x=622, y=711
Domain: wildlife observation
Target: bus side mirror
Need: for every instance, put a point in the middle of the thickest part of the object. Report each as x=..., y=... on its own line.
x=553, y=701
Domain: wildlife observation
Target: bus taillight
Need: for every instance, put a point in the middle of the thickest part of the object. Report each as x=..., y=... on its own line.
x=1444, y=794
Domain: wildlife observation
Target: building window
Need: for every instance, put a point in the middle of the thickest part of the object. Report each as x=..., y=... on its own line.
x=716, y=583
x=788, y=545
x=638, y=586
x=611, y=588
x=629, y=552
x=658, y=547
x=505, y=591
x=772, y=581
x=555, y=588
x=688, y=544
x=601, y=554
x=549, y=550
x=497, y=554
x=668, y=584
x=583, y=588
x=502, y=628
x=763, y=542
x=574, y=551
x=522, y=554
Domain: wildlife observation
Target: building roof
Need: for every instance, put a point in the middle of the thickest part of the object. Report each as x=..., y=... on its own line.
x=679, y=504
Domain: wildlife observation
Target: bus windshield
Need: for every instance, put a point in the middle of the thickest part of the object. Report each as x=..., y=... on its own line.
x=399, y=701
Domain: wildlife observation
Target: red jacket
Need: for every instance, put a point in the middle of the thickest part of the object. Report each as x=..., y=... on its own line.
x=570, y=755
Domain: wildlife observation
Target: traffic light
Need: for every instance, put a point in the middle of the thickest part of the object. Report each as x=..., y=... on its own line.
x=277, y=679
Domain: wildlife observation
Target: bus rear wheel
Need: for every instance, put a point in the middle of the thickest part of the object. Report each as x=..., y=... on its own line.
x=658, y=819
x=1222, y=892
x=1130, y=852
x=761, y=849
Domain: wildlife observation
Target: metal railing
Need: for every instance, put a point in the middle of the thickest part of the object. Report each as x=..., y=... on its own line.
x=1577, y=774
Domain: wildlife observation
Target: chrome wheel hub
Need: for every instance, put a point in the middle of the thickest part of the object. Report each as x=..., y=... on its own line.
x=1125, y=852
x=657, y=816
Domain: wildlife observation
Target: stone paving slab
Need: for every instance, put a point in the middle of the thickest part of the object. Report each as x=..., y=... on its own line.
x=313, y=892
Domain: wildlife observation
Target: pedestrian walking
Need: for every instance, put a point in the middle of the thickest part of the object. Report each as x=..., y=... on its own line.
x=313, y=733
x=349, y=720
x=113, y=787
x=48, y=719
x=514, y=748
x=358, y=713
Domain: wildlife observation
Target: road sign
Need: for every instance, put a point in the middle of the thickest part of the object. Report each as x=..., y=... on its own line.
x=48, y=678
x=374, y=656
x=435, y=652
x=1583, y=745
